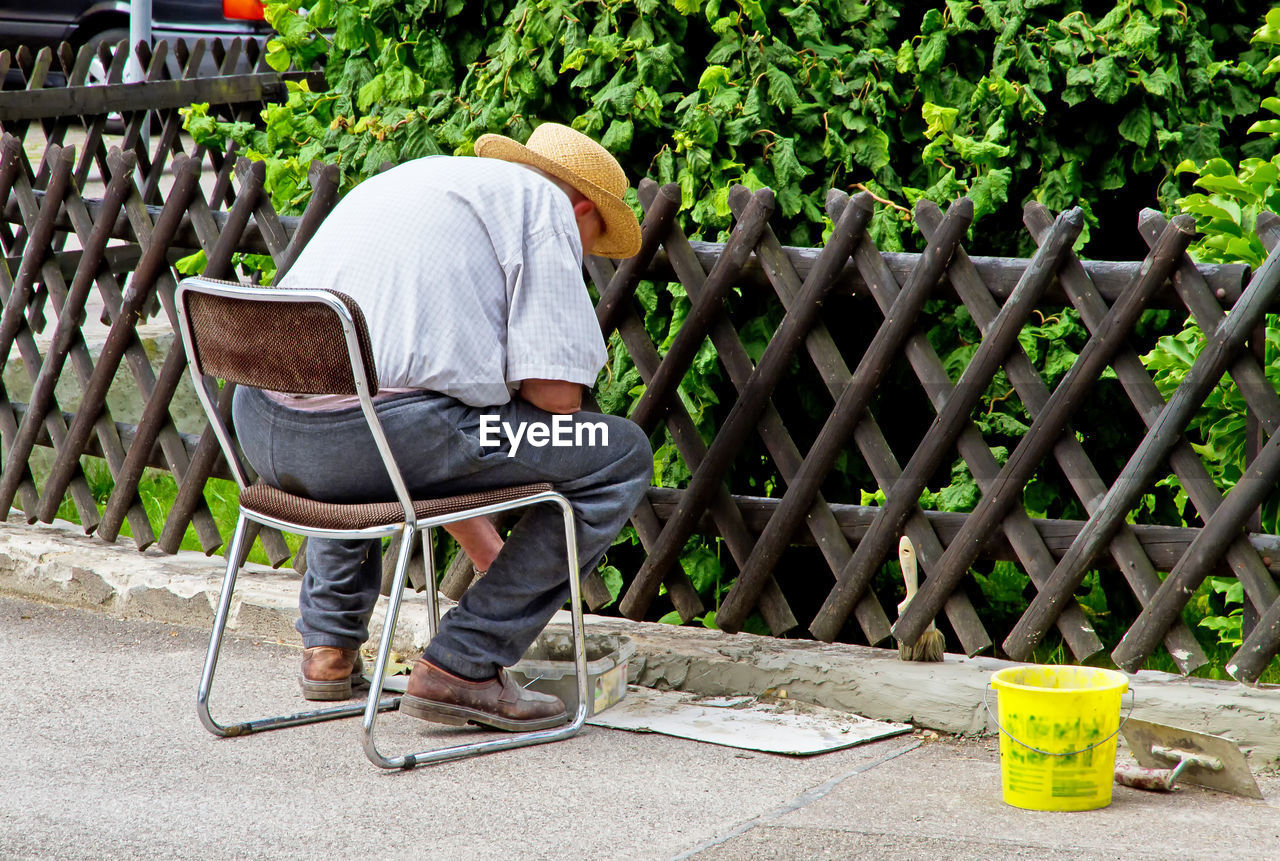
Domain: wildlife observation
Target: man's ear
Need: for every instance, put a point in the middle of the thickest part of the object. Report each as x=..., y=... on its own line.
x=583, y=208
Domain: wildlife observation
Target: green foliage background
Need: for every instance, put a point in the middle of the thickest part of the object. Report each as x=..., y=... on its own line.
x=1005, y=100
x=1111, y=105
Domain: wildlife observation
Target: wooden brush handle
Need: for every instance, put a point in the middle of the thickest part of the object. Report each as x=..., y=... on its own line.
x=907, y=559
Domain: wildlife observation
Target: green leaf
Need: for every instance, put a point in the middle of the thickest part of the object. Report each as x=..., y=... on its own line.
x=1109, y=81
x=1227, y=185
x=786, y=167
x=703, y=567
x=782, y=90
x=931, y=53
x=938, y=119
x=192, y=264
x=1136, y=126
x=618, y=138
x=1156, y=83
x=871, y=149
x=612, y=580
x=713, y=78
x=979, y=152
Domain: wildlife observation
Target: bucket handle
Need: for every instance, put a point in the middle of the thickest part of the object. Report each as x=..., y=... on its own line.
x=986, y=701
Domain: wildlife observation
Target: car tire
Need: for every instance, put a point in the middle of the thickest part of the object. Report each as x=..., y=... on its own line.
x=97, y=74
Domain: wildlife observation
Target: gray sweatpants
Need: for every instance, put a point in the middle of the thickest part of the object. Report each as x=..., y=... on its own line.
x=436, y=439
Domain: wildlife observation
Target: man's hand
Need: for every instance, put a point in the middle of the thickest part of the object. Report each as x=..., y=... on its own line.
x=554, y=396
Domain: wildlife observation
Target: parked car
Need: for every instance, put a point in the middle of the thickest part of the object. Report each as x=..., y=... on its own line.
x=37, y=23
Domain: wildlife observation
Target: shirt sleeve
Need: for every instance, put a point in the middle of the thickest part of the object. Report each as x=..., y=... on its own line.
x=552, y=332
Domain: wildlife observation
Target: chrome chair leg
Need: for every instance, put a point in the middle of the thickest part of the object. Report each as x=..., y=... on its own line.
x=215, y=648
x=384, y=650
x=433, y=594
x=427, y=757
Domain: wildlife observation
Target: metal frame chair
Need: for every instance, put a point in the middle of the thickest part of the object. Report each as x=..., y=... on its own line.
x=316, y=342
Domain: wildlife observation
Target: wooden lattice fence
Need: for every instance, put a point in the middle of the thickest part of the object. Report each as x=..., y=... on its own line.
x=138, y=229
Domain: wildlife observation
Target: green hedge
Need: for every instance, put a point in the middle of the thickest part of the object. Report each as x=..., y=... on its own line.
x=1005, y=100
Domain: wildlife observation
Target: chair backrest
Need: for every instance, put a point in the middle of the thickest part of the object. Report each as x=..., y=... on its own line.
x=297, y=341
x=282, y=340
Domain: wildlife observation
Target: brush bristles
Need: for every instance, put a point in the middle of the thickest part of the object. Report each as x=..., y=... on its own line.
x=928, y=649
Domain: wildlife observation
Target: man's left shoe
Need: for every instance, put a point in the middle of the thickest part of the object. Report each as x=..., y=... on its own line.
x=437, y=695
x=330, y=673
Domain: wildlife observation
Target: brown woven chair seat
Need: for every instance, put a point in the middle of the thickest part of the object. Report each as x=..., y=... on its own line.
x=280, y=505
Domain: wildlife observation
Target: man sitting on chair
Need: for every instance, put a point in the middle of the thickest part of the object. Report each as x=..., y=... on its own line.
x=469, y=275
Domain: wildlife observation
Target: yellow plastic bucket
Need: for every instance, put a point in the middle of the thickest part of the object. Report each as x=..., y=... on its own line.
x=1058, y=729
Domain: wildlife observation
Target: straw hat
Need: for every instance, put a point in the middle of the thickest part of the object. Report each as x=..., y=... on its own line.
x=578, y=160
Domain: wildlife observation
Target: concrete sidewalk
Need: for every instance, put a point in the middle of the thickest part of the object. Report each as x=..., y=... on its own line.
x=58, y=564
x=103, y=757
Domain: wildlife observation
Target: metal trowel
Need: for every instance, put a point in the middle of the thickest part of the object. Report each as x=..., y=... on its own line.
x=1167, y=754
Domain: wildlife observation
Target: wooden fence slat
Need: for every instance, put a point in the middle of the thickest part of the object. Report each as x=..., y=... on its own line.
x=1045, y=430
x=1219, y=530
x=204, y=457
x=1029, y=547
x=264, y=214
x=1000, y=274
x=773, y=606
x=685, y=435
x=973, y=449
x=616, y=289
x=820, y=520
x=707, y=479
x=66, y=331
x=27, y=496
x=112, y=450
x=733, y=356
x=1262, y=638
x=1164, y=545
x=661, y=390
x=706, y=482
x=156, y=412
x=324, y=184
x=13, y=323
x=122, y=333
x=1196, y=481
x=1221, y=346
x=42, y=231
x=172, y=446
x=902, y=498
x=615, y=298
x=18, y=106
x=848, y=412
x=8, y=421
x=1088, y=486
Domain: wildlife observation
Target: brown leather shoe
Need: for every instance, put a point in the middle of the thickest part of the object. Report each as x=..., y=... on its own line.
x=330, y=673
x=436, y=695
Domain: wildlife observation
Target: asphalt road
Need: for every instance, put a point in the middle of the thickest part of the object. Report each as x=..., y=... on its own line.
x=103, y=757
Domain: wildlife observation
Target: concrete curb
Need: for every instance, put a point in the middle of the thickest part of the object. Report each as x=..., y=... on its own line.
x=60, y=564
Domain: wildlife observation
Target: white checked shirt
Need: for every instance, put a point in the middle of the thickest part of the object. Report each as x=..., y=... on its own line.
x=469, y=274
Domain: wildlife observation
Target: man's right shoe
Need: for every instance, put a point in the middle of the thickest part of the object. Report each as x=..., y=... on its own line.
x=437, y=695
x=329, y=673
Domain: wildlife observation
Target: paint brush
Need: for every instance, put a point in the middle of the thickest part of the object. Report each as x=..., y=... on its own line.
x=931, y=644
